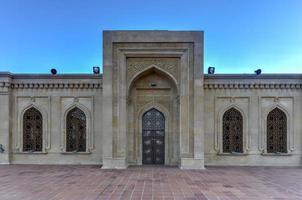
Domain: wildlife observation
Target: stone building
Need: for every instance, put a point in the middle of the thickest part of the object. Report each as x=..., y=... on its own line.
x=152, y=105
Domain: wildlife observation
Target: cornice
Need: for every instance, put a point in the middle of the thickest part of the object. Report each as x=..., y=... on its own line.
x=215, y=81
x=252, y=76
x=48, y=81
x=50, y=76
x=252, y=81
x=252, y=86
x=99, y=85
x=54, y=85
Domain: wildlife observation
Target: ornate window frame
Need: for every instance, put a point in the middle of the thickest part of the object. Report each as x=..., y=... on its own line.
x=219, y=134
x=45, y=131
x=289, y=132
x=89, y=138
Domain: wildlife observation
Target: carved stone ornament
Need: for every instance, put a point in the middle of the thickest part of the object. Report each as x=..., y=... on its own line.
x=136, y=65
x=75, y=99
x=232, y=99
x=276, y=99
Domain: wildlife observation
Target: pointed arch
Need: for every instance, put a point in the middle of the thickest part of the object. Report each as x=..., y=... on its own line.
x=140, y=113
x=276, y=131
x=156, y=113
x=32, y=130
x=18, y=142
x=154, y=105
x=153, y=136
x=75, y=130
x=146, y=71
x=218, y=143
x=81, y=129
x=232, y=134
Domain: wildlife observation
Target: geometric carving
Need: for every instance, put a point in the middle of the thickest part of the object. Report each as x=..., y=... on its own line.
x=75, y=100
x=250, y=85
x=32, y=130
x=59, y=85
x=232, y=131
x=135, y=65
x=153, y=137
x=232, y=99
x=276, y=99
x=76, y=131
x=276, y=132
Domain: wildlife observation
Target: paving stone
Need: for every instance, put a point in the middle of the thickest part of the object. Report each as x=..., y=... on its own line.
x=44, y=182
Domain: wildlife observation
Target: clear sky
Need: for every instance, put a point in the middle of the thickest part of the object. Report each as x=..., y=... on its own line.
x=240, y=35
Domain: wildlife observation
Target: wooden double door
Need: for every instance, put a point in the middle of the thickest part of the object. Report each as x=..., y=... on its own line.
x=153, y=138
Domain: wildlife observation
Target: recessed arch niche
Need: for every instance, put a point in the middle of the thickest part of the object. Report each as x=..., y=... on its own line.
x=153, y=88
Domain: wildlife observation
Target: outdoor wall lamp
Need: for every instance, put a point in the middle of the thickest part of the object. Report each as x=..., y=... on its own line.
x=1, y=148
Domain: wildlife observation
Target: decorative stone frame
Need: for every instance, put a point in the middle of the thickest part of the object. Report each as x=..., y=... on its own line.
x=219, y=133
x=89, y=125
x=45, y=131
x=289, y=132
x=187, y=46
x=123, y=54
x=138, y=142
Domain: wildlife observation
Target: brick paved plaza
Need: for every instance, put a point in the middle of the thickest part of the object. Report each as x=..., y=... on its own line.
x=28, y=182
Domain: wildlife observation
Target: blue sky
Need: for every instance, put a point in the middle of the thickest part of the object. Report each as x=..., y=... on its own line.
x=240, y=35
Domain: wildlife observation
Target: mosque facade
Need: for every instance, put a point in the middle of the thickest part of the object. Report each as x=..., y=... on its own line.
x=153, y=105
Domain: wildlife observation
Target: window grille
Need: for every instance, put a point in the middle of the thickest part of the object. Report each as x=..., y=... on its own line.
x=32, y=130
x=232, y=131
x=76, y=131
x=276, y=131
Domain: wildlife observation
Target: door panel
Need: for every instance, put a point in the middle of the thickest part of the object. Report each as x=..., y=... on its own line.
x=153, y=138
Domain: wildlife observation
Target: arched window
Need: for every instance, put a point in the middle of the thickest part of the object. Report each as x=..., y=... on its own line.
x=76, y=131
x=276, y=131
x=32, y=130
x=232, y=131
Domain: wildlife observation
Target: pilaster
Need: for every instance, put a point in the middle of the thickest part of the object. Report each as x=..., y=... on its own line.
x=5, y=149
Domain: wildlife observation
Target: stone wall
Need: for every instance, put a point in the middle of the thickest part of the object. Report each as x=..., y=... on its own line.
x=254, y=96
x=53, y=96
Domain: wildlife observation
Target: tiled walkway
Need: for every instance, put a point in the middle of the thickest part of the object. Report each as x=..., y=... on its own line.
x=28, y=182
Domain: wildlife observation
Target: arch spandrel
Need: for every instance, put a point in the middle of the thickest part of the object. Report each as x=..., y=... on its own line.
x=137, y=67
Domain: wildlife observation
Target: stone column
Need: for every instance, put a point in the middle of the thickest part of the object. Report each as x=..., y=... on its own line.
x=5, y=120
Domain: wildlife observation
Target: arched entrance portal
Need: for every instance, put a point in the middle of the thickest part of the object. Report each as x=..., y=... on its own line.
x=153, y=138
x=153, y=91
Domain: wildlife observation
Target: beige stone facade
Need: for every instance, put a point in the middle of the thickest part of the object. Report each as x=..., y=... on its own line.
x=144, y=70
